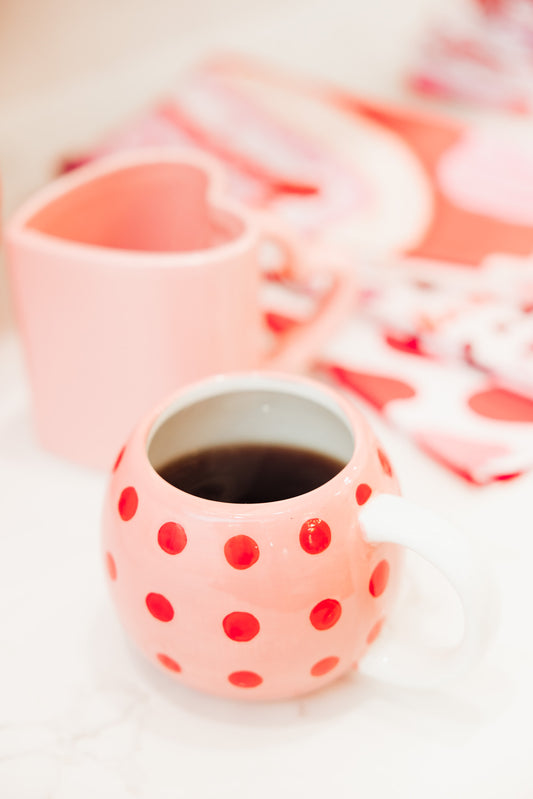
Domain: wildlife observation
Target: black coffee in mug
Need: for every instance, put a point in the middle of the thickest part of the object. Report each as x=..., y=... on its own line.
x=250, y=472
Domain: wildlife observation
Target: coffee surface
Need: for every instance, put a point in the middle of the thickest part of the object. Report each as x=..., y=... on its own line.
x=250, y=472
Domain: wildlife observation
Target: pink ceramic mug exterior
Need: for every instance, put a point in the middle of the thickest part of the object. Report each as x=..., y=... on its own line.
x=257, y=601
x=130, y=277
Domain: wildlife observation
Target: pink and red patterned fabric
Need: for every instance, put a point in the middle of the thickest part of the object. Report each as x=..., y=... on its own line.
x=483, y=57
x=436, y=219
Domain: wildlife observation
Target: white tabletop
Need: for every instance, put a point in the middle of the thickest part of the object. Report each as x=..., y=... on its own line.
x=81, y=715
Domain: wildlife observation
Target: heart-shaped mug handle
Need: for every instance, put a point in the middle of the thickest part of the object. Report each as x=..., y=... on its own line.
x=298, y=347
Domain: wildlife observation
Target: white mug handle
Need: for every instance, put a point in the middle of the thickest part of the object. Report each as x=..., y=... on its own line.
x=389, y=518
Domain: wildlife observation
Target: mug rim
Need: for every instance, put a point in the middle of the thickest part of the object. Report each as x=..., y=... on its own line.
x=356, y=426
x=17, y=233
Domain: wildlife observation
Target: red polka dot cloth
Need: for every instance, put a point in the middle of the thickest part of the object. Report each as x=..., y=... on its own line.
x=470, y=420
x=438, y=221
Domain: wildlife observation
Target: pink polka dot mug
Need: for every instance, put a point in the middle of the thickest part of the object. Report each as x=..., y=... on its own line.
x=272, y=599
x=134, y=275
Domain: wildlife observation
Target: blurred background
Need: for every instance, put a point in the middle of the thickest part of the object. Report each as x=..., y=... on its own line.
x=71, y=70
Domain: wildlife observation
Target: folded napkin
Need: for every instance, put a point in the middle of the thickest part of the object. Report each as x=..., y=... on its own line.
x=437, y=221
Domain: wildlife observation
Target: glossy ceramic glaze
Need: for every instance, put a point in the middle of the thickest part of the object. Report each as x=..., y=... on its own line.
x=251, y=601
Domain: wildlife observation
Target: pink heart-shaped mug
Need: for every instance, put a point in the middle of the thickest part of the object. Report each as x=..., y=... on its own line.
x=134, y=275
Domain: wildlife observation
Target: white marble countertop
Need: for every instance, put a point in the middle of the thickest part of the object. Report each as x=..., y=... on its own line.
x=81, y=715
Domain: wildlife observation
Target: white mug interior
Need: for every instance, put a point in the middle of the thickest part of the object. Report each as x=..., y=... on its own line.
x=255, y=409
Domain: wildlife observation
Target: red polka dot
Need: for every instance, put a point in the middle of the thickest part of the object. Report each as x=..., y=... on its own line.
x=325, y=614
x=377, y=389
x=385, y=463
x=240, y=626
x=409, y=344
x=171, y=538
x=111, y=566
x=241, y=551
x=315, y=536
x=279, y=323
x=159, y=607
x=245, y=679
x=498, y=403
x=127, y=504
x=119, y=458
x=379, y=578
x=168, y=662
x=323, y=666
x=363, y=493
x=375, y=631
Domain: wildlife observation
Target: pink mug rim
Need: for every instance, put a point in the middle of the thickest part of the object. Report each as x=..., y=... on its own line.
x=349, y=414
x=18, y=233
